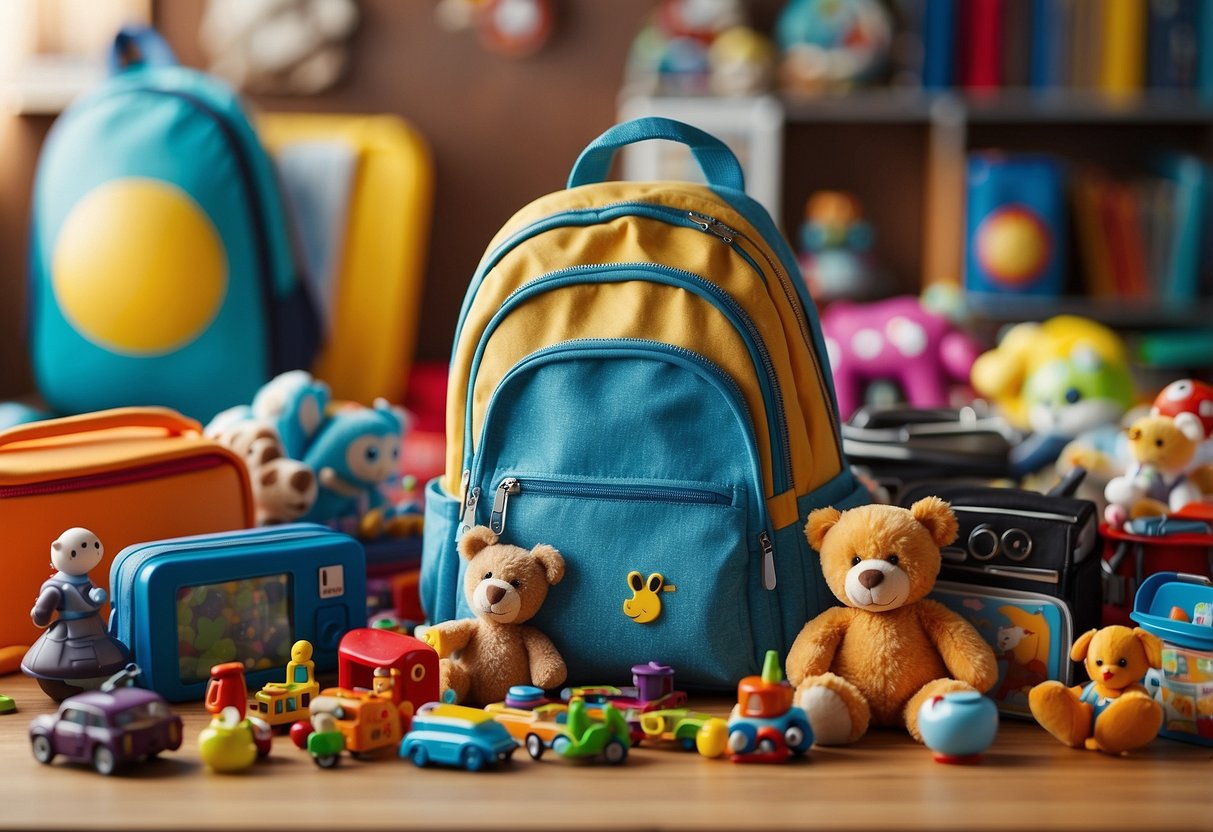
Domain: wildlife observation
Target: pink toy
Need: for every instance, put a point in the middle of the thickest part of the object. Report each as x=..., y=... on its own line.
x=895, y=340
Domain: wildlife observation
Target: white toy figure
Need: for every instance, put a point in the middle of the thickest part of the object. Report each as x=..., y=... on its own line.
x=75, y=653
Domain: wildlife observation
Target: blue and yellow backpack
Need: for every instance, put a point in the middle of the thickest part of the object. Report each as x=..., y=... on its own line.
x=161, y=264
x=639, y=380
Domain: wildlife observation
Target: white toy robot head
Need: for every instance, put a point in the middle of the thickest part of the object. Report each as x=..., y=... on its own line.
x=76, y=551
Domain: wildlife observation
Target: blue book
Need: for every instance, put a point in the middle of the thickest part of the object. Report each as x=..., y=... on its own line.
x=939, y=44
x=1171, y=44
x=1051, y=21
x=1204, y=50
x=1191, y=178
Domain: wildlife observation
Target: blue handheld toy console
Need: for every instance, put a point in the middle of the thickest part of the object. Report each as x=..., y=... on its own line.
x=185, y=604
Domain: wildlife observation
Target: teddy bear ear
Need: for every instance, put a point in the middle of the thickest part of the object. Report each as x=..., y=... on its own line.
x=820, y=522
x=1152, y=645
x=552, y=560
x=1189, y=425
x=938, y=518
x=474, y=540
x=1079, y=651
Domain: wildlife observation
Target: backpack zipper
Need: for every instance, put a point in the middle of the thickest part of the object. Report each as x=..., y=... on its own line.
x=776, y=417
x=513, y=486
x=723, y=380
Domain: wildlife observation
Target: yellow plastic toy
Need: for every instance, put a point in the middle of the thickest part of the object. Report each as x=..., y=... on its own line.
x=283, y=703
x=226, y=745
x=1002, y=373
x=645, y=604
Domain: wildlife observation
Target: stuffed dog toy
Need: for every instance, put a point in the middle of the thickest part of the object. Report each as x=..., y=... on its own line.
x=1113, y=713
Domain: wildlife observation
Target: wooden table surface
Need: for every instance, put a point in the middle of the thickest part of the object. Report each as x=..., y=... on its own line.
x=1026, y=782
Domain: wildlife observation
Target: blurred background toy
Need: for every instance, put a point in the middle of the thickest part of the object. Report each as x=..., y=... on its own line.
x=1195, y=397
x=294, y=47
x=831, y=44
x=1157, y=482
x=75, y=653
x=695, y=47
x=284, y=489
x=896, y=340
x=835, y=250
x=1062, y=379
x=511, y=28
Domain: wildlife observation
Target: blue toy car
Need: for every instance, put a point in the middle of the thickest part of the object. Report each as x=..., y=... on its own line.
x=454, y=735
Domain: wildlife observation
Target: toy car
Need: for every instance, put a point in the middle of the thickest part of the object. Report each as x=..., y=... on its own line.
x=652, y=689
x=586, y=736
x=533, y=728
x=672, y=725
x=456, y=735
x=360, y=722
x=765, y=727
x=108, y=727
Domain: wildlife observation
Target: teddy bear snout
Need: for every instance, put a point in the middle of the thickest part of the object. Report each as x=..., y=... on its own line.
x=494, y=594
x=870, y=578
x=497, y=600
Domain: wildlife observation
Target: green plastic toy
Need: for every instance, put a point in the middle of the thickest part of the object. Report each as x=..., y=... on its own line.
x=7, y=705
x=586, y=737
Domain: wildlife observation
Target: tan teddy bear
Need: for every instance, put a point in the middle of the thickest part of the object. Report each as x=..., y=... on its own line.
x=888, y=650
x=505, y=586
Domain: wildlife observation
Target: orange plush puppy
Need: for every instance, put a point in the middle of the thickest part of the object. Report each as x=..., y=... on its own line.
x=1113, y=712
x=887, y=651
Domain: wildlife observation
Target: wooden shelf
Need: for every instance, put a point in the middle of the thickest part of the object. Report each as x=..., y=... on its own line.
x=1045, y=108
x=1122, y=313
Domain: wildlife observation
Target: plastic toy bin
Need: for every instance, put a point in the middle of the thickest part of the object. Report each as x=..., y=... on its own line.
x=1185, y=685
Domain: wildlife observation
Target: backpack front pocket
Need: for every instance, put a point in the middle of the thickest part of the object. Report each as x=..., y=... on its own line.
x=661, y=520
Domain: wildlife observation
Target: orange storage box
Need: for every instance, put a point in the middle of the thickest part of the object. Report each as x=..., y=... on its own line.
x=129, y=475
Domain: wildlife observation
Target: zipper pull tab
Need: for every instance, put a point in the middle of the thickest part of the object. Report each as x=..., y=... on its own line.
x=467, y=516
x=464, y=482
x=703, y=221
x=509, y=485
x=768, y=560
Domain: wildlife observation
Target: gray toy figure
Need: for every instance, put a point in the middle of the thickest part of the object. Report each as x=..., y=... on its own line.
x=75, y=653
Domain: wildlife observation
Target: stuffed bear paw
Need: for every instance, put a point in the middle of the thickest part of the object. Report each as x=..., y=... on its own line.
x=837, y=711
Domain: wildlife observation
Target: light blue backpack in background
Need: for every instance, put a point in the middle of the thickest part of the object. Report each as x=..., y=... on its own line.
x=161, y=264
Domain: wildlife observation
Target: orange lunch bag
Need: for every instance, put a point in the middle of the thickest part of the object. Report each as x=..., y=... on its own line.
x=129, y=475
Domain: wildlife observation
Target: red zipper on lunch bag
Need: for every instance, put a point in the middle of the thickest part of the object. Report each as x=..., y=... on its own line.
x=123, y=477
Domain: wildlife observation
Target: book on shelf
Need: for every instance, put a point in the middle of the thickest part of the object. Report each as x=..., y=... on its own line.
x=1115, y=47
x=1145, y=238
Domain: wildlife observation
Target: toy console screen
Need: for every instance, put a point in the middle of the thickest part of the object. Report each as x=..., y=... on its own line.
x=246, y=620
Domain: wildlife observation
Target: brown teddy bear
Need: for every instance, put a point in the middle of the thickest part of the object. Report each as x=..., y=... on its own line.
x=505, y=585
x=888, y=650
x=1114, y=712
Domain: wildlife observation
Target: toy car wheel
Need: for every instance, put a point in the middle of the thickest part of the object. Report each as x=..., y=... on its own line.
x=104, y=761
x=739, y=742
x=473, y=759
x=44, y=752
x=534, y=746
x=687, y=743
x=327, y=760
x=794, y=736
x=419, y=756
x=615, y=752
x=561, y=745
x=767, y=746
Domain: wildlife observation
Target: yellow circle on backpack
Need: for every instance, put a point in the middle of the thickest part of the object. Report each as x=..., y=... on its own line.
x=138, y=267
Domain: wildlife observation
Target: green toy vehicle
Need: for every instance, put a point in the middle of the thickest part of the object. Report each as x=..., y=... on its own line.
x=586, y=736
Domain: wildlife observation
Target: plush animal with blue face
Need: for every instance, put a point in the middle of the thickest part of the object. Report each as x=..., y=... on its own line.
x=352, y=450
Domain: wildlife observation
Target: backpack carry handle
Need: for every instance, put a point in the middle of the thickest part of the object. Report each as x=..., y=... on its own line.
x=170, y=421
x=715, y=159
x=139, y=46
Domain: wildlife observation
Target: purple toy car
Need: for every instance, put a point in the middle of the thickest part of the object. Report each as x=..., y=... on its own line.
x=115, y=725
